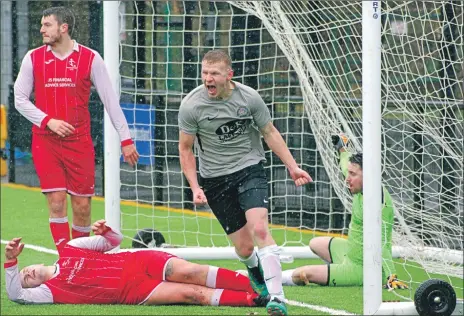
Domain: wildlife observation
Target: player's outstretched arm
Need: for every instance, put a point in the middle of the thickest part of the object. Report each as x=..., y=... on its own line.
x=277, y=144
x=14, y=290
x=106, y=238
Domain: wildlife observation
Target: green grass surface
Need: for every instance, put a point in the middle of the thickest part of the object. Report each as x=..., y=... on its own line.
x=24, y=214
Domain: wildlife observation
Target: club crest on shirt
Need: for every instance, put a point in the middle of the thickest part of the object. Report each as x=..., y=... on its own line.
x=242, y=111
x=65, y=263
x=71, y=64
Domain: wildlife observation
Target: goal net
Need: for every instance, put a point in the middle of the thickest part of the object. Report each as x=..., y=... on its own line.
x=304, y=58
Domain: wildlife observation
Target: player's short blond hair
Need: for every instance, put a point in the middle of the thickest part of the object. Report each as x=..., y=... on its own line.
x=217, y=56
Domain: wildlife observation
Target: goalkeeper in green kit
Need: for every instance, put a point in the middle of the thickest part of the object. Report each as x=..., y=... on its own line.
x=344, y=257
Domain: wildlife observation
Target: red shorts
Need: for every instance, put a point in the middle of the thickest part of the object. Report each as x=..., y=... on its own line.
x=146, y=273
x=64, y=165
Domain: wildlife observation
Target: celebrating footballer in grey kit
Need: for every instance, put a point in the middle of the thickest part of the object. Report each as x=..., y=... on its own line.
x=225, y=120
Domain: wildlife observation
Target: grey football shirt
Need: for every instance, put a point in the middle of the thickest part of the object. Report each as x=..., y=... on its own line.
x=227, y=131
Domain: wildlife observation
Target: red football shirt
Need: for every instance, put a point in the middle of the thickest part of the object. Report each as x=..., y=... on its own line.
x=62, y=86
x=89, y=277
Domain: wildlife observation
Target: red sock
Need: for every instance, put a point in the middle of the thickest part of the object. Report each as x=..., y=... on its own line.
x=80, y=231
x=60, y=231
x=236, y=298
x=231, y=280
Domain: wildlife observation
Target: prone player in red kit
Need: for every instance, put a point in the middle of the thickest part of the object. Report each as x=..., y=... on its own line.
x=84, y=274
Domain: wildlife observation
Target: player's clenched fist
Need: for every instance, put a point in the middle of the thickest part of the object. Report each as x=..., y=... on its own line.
x=199, y=196
x=60, y=127
x=130, y=154
x=300, y=177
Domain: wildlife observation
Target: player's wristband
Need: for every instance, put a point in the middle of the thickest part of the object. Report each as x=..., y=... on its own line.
x=43, y=124
x=10, y=264
x=127, y=142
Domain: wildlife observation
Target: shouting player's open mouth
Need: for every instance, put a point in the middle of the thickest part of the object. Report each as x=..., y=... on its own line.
x=212, y=90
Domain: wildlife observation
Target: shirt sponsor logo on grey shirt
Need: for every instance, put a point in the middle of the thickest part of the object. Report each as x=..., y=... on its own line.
x=231, y=129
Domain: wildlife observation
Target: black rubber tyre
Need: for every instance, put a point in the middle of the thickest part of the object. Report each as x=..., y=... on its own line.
x=148, y=238
x=435, y=297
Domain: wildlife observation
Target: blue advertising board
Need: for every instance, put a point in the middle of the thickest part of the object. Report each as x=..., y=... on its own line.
x=141, y=121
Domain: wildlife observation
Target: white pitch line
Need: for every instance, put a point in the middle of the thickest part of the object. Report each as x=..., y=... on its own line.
x=36, y=248
x=319, y=308
x=289, y=302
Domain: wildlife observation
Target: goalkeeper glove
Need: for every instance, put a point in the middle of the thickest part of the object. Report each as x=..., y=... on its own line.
x=340, y=141
x=394, y=284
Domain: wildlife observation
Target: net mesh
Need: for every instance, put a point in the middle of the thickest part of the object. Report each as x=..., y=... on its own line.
x=304, y=58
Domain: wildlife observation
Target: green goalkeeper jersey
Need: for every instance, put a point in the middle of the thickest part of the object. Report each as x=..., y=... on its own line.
x=355, y=232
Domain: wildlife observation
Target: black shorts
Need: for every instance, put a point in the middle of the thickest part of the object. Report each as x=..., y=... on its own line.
x=230, y=196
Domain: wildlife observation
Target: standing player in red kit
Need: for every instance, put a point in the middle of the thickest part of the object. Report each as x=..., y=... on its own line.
x=61, y=74
x=84, y=274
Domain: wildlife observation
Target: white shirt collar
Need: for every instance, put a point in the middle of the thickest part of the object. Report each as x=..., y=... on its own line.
x=75, y=46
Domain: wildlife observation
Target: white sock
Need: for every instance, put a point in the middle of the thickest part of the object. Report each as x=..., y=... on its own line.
x=251, y=261
x=272, y=270
x=58, y=220
x=211, y=277
x=82, y=229
x=216, y=297
x=287, y=277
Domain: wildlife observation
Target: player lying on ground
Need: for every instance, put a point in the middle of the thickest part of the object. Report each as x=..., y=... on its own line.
x=345, y=256
x=84, y=274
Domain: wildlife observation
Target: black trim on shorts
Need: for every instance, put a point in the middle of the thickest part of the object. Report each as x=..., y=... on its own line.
x=328, y=274
x=330, y=252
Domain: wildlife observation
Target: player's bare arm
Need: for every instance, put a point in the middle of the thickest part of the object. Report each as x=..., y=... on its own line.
x=277, y=144
x=189, y=167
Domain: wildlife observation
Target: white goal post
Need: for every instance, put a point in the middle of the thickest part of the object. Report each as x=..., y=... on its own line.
x=111, y=151
x=372, y=164
x=389, y=74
